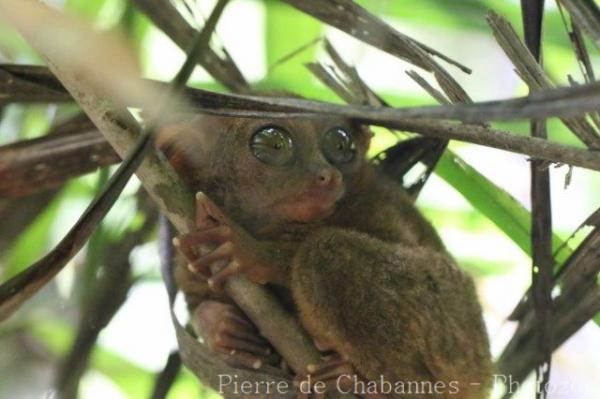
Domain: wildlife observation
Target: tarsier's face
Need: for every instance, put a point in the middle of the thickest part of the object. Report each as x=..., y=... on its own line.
x=281, y=169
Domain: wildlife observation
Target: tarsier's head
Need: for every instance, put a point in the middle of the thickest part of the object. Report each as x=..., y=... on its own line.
x=283, y=170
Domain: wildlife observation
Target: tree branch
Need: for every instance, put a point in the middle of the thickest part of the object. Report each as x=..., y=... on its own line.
x=587, y=15
x=561, y=101
x=108, y=293
x=42, y=163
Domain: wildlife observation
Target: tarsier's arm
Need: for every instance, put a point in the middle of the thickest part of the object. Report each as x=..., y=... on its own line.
x=216, y=250
x=224, y=241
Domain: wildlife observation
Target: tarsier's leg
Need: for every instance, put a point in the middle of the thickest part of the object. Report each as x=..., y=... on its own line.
x=404, y=313
x=333, y=374
x=224, y=327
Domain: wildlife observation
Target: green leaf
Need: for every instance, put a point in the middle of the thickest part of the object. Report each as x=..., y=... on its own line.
x=494, y=202
x=33, y=242
x=287, y=29
x=133, y=380
x=187, y=386
x=464, y=16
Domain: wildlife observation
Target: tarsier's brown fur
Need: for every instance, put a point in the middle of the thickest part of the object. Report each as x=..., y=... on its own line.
x=368, y=275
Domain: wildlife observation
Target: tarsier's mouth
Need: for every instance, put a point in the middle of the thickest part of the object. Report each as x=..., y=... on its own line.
x=310, y=205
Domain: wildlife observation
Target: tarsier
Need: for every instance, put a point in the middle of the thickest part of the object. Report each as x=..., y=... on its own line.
x=294, y=204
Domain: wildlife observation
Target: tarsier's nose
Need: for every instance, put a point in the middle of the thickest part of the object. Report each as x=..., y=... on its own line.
x=328, y=177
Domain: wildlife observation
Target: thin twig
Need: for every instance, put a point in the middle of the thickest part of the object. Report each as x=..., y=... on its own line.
x=167, y=376
x=587, y=15
x=109, y=293
x=561, y=101
x=359, y=23
x=43, y=163
x=530, y=71
x=432, y=91
x=166, y=17
x=577, y=304
x=351, y=18
x=541, y=216
x=295, y=52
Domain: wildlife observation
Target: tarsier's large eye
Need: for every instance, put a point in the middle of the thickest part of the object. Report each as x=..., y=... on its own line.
x=338, y=147
x=272, y=145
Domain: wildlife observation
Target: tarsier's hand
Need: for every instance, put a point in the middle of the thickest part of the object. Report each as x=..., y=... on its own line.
x=221, y=248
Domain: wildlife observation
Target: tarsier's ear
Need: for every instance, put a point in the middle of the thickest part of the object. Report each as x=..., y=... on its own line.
x=363, y=138
x=172, y=139
x=187, y=143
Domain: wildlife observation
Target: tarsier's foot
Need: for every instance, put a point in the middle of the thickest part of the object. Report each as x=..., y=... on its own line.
x=334, y=374
x=228, y=332
x=326, y=376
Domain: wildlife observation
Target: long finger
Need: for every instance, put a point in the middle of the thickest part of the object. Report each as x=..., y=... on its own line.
x=251, y=337
x=325, y=367
x=243, y=344
x=241, y=320
x=241, y=331
x=210, y=208
x=211, y=235
x=196, y=244
x=333, y=374
x=217, y=280
x=202, y=264
x=203, y=218
x=239, y=358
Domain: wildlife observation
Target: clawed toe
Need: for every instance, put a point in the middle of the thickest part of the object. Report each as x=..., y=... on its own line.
x=229, y=333
x=245, y=349
x=328, y=375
